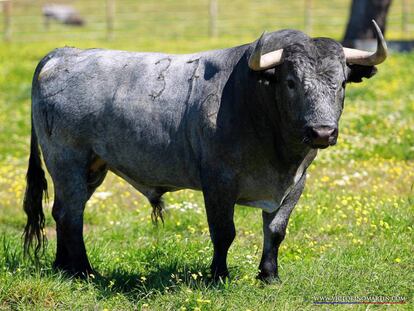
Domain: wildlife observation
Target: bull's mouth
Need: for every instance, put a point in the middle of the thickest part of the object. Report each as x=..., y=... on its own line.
x=316, y=145
x=320, y=146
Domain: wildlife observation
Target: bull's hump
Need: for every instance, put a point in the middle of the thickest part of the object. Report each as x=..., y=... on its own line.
x=48, y=67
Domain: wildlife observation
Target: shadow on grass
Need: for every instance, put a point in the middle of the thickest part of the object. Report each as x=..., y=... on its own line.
x=162, y=274
x=163, y=278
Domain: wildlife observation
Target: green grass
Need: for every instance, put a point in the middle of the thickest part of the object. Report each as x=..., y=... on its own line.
x=187, y=19
x=351, y=234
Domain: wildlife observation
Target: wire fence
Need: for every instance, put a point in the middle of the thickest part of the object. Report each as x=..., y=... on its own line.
x=24, y=20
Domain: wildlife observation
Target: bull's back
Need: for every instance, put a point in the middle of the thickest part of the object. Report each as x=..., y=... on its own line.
x=134, y=110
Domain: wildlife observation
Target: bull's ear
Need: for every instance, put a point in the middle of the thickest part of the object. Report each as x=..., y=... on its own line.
x=357, y=72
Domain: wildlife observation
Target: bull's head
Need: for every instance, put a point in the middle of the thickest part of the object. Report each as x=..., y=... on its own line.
x=310, y=82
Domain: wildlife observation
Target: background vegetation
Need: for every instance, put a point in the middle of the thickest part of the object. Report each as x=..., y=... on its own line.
x=351, y=233
x=143, y=20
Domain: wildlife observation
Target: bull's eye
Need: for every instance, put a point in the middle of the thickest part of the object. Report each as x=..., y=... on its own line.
x=290, y=84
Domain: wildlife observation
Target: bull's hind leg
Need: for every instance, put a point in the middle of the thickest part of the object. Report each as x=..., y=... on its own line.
x=71, y=172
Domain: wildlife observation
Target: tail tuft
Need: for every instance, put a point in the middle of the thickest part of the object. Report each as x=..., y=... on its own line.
x=157, y=210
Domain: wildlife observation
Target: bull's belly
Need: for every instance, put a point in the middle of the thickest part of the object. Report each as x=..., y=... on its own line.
x=147, y=171
x=152, y=178
x=169, y=181
x=155, y=176
x=268, y=206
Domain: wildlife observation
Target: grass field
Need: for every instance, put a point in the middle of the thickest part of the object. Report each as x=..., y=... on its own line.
x=350, y=235
x=187, y=19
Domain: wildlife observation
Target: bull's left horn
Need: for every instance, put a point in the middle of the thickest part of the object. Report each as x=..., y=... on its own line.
x=358, y=57
x=258, y=62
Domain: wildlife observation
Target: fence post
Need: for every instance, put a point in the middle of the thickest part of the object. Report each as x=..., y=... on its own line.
x=213, y=9
x=110, y=17
x=7, y=19
x=404, y=17
x=308, y=16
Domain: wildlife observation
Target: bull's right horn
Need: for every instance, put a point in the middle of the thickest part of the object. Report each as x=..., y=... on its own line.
x=258, y=62
x=358, y=57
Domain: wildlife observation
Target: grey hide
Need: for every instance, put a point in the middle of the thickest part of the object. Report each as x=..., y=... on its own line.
x=202, y=121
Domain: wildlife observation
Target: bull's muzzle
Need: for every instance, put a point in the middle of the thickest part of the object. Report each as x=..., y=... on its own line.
x=321, y=137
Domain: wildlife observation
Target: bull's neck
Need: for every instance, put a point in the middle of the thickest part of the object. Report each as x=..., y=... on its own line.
x=250, y=104
x=268, y=126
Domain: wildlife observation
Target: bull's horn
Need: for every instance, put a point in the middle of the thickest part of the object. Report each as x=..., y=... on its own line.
x=258, y=62
x=358, y=57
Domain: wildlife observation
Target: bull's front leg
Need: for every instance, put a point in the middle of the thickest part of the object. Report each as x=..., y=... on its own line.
x=219, y=202
x=274, y=231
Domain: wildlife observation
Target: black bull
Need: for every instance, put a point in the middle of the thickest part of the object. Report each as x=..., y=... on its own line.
x=213, y=121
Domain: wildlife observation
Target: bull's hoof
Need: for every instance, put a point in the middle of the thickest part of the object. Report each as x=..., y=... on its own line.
x=219, y=276
x=77, y=272
x=269, y=278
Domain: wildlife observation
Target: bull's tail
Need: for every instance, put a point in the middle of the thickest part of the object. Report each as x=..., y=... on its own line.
x=36, y=187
